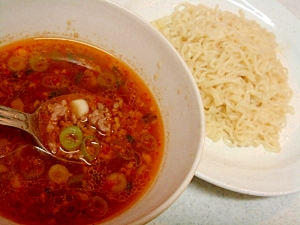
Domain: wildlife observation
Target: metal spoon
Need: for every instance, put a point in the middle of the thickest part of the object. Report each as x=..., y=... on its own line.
x=30, y=123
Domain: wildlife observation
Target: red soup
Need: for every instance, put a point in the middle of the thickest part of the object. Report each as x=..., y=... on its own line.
x=111, y=123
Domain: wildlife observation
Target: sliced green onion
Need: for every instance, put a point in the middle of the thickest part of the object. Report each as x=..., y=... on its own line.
x=90, y=148
x=59, y=174
x=70, y=138
x=16, y=63
x=97, y=207
x=38, y=63
x=106, y=79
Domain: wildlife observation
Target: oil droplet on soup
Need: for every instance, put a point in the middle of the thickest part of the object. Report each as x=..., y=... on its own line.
x=115, y=124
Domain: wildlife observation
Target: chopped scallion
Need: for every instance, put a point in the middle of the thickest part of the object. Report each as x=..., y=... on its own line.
x=70, y=137
x=90, y=148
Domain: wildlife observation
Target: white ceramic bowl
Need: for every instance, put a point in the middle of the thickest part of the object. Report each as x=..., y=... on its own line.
x=128, y=37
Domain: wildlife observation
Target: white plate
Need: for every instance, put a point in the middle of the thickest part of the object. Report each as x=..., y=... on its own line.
x=251, y=171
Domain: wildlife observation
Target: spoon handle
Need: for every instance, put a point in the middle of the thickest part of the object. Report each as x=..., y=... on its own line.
x=29, y=123
x=14, y=118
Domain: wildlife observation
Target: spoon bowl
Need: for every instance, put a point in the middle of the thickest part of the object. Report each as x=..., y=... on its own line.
x=31, y=123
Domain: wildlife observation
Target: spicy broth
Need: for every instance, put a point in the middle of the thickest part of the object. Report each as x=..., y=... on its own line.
x=36, y=188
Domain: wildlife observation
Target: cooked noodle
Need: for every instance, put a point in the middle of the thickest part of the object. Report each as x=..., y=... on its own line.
x=242, y=83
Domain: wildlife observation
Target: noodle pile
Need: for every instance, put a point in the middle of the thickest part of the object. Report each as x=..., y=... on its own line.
x=242, y=83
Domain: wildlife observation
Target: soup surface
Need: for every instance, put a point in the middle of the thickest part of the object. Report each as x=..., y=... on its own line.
x=111, y=122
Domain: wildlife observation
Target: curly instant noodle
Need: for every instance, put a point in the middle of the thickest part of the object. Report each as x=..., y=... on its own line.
x=234, y=62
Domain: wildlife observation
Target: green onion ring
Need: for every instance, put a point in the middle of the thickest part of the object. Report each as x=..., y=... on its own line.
x=70, y=137
x=96, y=146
